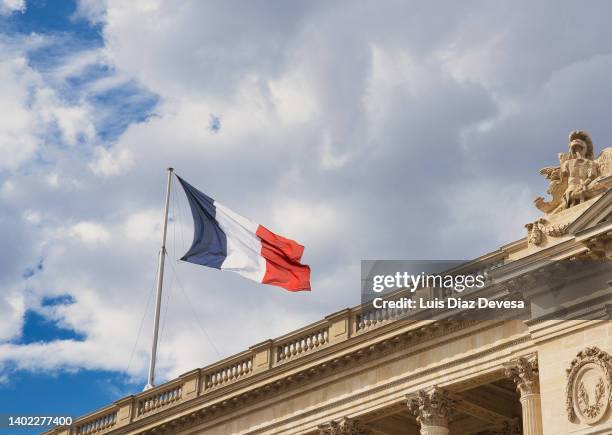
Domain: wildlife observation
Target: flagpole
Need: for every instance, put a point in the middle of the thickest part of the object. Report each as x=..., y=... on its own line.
x=160, y=282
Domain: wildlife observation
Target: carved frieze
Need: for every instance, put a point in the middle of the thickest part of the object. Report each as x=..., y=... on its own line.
x=589, y=381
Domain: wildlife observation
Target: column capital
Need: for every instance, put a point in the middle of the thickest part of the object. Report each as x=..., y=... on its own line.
x=433, y=407
x=344, y=426
x=525, y=374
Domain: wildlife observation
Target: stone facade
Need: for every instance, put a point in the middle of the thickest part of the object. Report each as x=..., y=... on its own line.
x=352, y=373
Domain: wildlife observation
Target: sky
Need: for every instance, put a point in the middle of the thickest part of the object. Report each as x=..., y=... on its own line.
x=363, y=130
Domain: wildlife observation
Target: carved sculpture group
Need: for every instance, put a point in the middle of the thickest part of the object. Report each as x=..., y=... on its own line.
x=578, y=176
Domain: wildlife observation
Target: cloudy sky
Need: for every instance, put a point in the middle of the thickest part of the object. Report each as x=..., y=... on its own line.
x=364, y=130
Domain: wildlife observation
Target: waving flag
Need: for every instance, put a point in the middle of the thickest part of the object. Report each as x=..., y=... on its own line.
x=225, y=240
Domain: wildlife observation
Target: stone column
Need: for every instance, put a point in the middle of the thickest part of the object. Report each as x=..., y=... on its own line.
x=432, y=410
x=524, y=373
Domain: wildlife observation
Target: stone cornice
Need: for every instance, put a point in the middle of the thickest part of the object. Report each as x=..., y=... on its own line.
x=560, y=251
x=370, y=345
x=598, y=210
x=356, y=363
x=422, y=373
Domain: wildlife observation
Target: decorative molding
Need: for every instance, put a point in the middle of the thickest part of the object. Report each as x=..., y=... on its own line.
x=538, y=230
x=524, y=372
x=433, y=407
x=589, y=384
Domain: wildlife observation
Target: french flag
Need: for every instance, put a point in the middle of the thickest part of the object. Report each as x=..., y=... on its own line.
x=225, y=240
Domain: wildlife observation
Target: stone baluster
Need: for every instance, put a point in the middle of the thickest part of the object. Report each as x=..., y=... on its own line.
x=433, y=409
x=524, y=373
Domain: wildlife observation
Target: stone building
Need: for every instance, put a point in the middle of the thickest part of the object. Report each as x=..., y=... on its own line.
x=358, y=372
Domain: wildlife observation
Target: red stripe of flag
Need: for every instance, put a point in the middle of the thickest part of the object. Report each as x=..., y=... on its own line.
x=283, y=267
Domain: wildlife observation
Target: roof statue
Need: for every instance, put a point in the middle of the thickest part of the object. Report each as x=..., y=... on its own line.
x=578, y=176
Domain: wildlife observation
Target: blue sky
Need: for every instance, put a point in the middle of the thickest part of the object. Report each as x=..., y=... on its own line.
x=410, y=131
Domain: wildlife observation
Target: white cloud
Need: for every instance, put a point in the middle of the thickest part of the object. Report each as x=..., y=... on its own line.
x=8, y=7
x=296, y=217
x=18, y=127
x=294, y=99
x=92, y=10
x=143, y=226
x=7, y=189
x=74, y=122
x=32, y=217
x=53, y=179
x=32, y=110
x=90, y=232
x=110, y=162
x=492, y=213
x=12, y=308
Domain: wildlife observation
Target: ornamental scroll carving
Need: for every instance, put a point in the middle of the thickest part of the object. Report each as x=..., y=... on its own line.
x=589, y=383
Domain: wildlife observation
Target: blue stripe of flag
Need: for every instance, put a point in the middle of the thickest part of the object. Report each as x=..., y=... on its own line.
x=209, y=247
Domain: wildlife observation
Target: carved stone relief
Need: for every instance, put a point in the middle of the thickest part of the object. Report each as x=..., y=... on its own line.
x=589, y=381
x=540, y=229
